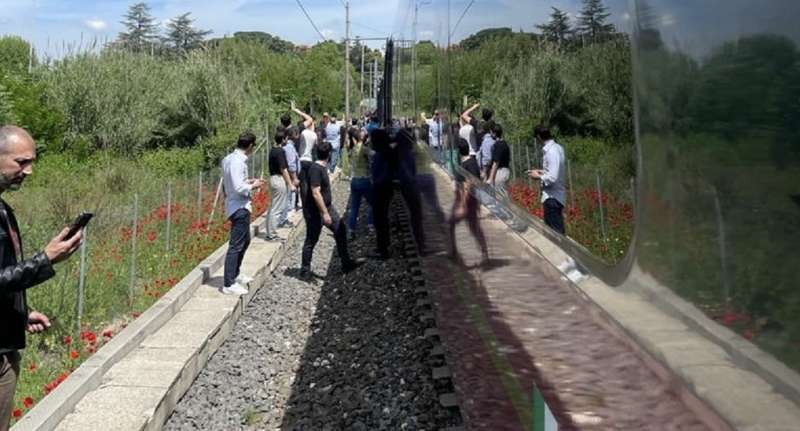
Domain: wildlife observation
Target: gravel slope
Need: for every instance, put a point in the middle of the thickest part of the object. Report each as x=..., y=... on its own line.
x=344, y=352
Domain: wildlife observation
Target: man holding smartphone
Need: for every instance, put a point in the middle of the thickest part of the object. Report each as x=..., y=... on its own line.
x=553, y=176
x=17, y=274
x=238, y=207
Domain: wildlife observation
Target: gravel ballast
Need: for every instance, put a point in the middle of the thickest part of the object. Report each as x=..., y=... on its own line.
x=341, y=352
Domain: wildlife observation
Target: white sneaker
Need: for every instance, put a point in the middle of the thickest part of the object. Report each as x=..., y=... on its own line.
x=244, y=279
x=235, y=289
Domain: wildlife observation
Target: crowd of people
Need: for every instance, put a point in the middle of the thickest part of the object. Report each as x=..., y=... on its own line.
x=303, y=155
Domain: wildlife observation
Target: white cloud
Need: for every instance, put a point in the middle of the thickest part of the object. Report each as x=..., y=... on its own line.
x=96, y=24
x=426, y=35
x=328, y=33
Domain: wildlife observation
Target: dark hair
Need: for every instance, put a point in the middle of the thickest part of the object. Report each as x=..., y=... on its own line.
x=246, y=140
x=542, y=132
x=280, y=135
x=323, y=150
x=487, y=126
x=497, y=129
x=286, y=120
x=487, y=114
x=463, y=147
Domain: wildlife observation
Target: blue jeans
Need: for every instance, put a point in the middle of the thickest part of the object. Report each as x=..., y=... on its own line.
x=240, y=240
x=359, y=187
x=335, y=153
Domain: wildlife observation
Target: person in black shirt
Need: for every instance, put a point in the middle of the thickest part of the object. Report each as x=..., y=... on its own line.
x=501, y=161
x=318, y=211
x=466, y=205
x=280, y=184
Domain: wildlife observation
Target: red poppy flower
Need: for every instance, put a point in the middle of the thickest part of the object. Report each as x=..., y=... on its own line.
x=68, y=340
x=28, y=402
x=108, y=333
x=17, y=413
x=33, y=367
x=74, y=354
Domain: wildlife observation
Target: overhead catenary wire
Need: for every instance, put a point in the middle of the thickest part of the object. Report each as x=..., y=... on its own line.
x=466, y=9
x=305, y=12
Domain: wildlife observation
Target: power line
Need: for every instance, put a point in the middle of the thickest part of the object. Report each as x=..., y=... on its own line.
x=369, y=28
x=311, y=20
x=461, y=17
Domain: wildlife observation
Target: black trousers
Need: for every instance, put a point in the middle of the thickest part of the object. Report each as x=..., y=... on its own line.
x=383, y=199
x=240, y=240
x=314, y=228
x=554, y=215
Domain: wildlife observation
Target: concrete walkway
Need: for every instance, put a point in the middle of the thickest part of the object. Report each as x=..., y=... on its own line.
x=140, y=391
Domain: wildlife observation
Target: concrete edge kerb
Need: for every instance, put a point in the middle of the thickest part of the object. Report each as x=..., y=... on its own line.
x=783, y=379
x=48, y=413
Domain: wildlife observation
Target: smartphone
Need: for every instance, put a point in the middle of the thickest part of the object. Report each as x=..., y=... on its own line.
x=80, y=222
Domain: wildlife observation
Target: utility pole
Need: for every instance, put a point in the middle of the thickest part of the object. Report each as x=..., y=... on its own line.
x=347, y=63
x=363, y=50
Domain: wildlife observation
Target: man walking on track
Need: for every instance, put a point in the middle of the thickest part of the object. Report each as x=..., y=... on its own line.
x=318, y=211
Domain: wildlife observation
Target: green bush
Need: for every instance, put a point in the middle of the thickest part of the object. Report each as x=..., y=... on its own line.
x=173, y=162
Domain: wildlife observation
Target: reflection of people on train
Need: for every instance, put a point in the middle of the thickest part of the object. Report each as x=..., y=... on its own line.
x=394, y=161
x=426, y=181
x=467, y=130
x=501, y=161
x=466, y=205
x=435, y=130
x=553, y=177
x=487, y=145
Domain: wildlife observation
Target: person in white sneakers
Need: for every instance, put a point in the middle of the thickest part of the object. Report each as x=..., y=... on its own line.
x=238, y=207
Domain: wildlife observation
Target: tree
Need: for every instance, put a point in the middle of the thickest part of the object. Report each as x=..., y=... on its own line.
x=592, y=20
x=141, y=30
x=558, y=28
x=181, y=34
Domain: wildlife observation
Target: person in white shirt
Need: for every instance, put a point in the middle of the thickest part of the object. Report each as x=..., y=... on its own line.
x=553, y=177
x=467, y=130
x=238, y=207
x=434, y=133
x=308, y=141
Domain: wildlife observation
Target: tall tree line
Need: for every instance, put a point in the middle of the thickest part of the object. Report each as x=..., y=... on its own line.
x=142, y=32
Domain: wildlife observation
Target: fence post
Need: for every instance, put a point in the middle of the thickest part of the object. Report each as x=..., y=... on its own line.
x=199, y=195
x=571, y=190
x=82, y=279
x=528, y=157
x=134, y=232
x=600, y=202
x=723, y=257
x=169, y=214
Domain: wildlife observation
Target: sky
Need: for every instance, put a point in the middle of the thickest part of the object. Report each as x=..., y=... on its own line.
x=694, y=26
x=54, y=24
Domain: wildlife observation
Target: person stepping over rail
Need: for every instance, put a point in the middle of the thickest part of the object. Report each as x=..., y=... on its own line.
x=280, y=184
x=318, y=211
x=360, y=184
x=238, y=207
